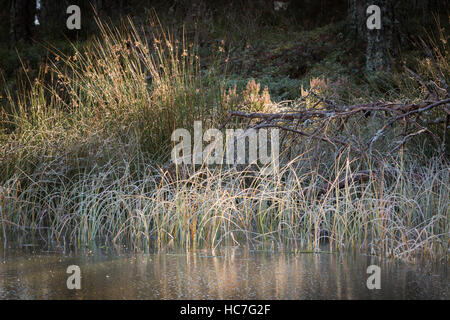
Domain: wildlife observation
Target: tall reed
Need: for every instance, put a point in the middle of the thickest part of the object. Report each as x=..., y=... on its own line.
x=80, y=146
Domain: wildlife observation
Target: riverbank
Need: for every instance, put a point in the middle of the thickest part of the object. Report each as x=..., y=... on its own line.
x=85, y=150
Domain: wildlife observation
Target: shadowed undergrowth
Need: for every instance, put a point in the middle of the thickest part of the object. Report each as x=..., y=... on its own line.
x=83, y=143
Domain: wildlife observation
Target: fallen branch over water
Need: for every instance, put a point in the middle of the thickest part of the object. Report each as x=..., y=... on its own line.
x=407, y=115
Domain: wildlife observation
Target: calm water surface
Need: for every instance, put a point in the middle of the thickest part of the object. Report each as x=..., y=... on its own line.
x=230, y=273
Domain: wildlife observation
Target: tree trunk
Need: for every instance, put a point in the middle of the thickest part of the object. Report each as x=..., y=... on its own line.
x=357, y=18
x=22, y=19
x=53, y=16
x=378, y=42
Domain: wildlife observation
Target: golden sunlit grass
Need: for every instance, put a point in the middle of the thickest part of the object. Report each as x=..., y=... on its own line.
x=405, y=217
x=80, y=146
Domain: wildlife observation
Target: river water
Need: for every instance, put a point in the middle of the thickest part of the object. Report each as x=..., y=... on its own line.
x=228, y=273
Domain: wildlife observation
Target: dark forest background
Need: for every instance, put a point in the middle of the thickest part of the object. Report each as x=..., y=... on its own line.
x=237, y=21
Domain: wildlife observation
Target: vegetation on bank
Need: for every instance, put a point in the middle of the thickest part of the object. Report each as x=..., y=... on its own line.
x=84, y=147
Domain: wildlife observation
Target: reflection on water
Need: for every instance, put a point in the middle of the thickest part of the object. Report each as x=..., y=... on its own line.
x=231, y=273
